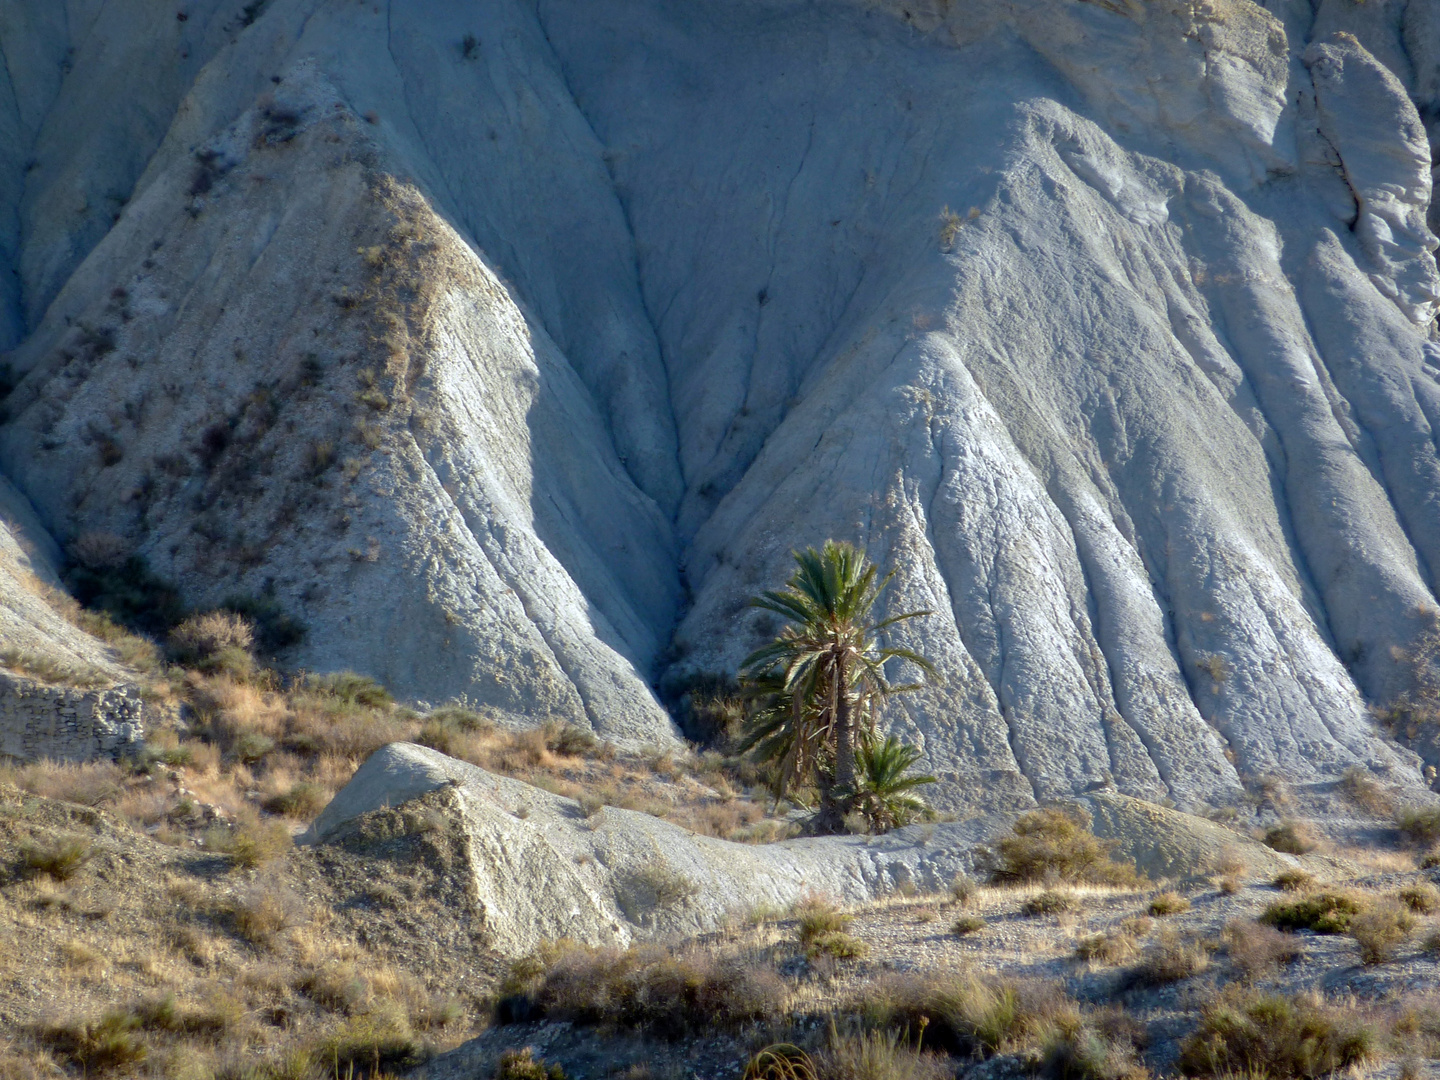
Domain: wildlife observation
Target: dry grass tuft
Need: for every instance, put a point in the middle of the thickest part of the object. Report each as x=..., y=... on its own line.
x=1421, y=898
x=1363, y=790
x=1050, y=902
x=61, y=857
x=878, y=1055
x=1293, y=880
x=1169, y=902
x=1171, y=957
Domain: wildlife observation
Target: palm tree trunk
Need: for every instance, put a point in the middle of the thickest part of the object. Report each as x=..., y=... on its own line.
x=844, y=742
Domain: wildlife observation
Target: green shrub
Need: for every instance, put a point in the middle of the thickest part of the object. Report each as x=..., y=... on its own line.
x=1323, y=912
x=1050, y=902
x=967, y=924
x=1292, y=838
x=1381, y=929
x=1269, y=1035
x=61, y=858
x=1422, y=897
x=965, y=1014
x=250, y=843
x=123, y=588
x=1169, y=902
x=1052, y=843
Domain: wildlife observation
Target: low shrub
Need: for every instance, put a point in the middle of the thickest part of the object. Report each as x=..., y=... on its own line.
x=250, y=842
x=836, y=944
x=199, y=638
x=61, y=857
x=642, y=988
x=1057, y=844
x=1115, y=947
x=962, y=890
x=1170, y=958
x=816, y=915
x=1255, y=949
x=1050, y=902
x=1169, y=902
x=1293, y=880
x=1381, y=929
x=1422, y=898
x=660, y=886
x=1292, y=838
x=966, y=1014
x=303, y=801
x=967, y=924
x=1270, y=1035
x=1422, y=826
x=1324, y=912
x=113, y=1041
x=348, y=688
x=523, y=1065
x=1365, y=792
x=1097, y=1049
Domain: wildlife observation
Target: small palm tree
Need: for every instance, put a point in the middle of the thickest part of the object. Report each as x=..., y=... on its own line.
x=883, y=794
x=819, y=680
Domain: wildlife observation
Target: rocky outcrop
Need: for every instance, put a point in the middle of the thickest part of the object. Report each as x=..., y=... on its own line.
x=541, y=869
x=513, y=347
x=63, y=723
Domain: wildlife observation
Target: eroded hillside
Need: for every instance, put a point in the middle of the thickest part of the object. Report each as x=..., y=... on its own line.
x=512, y=346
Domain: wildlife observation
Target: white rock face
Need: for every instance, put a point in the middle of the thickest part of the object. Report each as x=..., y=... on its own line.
x=542, y=870
x=513, y=346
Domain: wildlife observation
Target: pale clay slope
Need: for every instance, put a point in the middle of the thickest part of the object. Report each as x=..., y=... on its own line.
x=655, y=292
x=542, y=870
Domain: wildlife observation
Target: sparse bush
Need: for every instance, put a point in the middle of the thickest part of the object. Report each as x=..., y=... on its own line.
x=1293, y=880
x=1421, y=897
x=966, y=1014
x=644, y=987
x=98, y=1046
x=1171, y=957
x=250, y=842
x=1101, y=1048
x=1053, y=843
x=523, y=1065
x=51, y=670
x=962, y=890
x=1050, y=902
x=1324, y=912
x=1381, y=929
x=836, y=944
x=1292, y=838
x=261, y=913
x=1255, y=949
x=817, y=915
x=199, y=638
x=1169, y=902
x=1365, y=792
x=1419, y=825
x=567, y=740
x=350, y=689
x=302, y=801
x=967, y=924
x=661, y=886
x=1115, y=947
x=1274, y=1036
x=61, y=857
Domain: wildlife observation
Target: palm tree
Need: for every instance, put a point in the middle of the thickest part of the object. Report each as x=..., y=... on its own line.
x=819, y=680
x=883, y=793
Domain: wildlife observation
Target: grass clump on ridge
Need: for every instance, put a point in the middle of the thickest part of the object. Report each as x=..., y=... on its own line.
x=1053, y=844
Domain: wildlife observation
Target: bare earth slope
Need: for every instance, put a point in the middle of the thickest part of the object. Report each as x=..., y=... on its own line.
x=513, y=345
